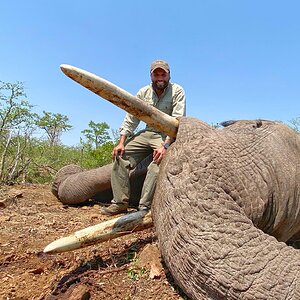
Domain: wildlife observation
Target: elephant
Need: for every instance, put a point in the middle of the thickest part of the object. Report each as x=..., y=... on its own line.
x=226, y=201
x=232, y=200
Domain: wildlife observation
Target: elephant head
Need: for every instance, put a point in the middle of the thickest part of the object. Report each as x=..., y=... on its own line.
x=226, y=201
x=233, y=194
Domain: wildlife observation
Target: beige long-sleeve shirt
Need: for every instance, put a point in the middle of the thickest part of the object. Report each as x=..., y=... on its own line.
x=171, y=102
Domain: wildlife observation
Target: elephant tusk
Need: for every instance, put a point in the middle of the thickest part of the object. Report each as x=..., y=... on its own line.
x=102, y=232
x=121, y=98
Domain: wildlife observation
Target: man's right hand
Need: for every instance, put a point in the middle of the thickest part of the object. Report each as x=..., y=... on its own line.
x=118, y=151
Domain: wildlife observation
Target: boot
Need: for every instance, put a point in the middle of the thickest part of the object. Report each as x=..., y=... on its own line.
x=114, y=209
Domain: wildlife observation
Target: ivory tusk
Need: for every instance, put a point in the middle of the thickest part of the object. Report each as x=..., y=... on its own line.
x=102, y=232
x=121, y=98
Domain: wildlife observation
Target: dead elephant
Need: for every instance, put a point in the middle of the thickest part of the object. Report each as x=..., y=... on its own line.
x=225, y=203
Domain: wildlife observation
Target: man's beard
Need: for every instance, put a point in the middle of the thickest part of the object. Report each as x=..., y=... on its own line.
x=160, y=85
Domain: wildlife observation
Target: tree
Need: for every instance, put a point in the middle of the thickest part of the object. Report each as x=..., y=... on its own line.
x=13, y=112
x=97, y=145
x=295, y=124
x=16, y=128
x=97, y=134
x=54, y=125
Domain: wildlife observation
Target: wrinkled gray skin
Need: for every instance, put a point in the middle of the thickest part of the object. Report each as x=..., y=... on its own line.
x=233, y=194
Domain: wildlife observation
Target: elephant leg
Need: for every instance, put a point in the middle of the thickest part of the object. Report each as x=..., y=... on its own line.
x=72, y=185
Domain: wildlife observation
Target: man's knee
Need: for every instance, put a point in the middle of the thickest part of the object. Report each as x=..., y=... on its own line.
x=153, y=168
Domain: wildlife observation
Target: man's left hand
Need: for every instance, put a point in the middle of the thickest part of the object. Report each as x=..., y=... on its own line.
x=158, y=154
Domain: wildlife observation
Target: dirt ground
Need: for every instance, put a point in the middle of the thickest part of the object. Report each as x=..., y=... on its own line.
x=125, y=268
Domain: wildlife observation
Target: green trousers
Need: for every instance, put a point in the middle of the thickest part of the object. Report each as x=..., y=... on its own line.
x=137, y=148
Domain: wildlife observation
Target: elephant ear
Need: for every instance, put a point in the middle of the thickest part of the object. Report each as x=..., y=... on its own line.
x=208, y=243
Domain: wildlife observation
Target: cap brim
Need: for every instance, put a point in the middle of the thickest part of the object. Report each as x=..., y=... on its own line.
x=159, y=67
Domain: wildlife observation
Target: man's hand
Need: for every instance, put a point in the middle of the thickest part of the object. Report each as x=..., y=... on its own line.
x=158, y=154
x=118, y=151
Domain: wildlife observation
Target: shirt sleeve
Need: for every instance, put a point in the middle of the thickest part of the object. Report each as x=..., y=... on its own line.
x=179, y=107
x=130, y=122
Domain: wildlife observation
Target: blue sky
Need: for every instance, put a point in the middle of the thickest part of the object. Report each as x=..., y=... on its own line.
x=236, y=59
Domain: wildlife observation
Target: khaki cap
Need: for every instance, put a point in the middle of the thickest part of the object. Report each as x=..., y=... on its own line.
x=160, y=64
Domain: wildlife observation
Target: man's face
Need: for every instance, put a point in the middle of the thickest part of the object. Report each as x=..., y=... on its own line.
x=160, y=79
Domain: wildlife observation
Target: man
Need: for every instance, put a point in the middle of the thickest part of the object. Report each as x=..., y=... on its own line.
x=165, y=96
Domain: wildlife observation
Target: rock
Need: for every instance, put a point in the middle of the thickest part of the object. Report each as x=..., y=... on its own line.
x=150, y=259
x=79, y=292
x=36, y=271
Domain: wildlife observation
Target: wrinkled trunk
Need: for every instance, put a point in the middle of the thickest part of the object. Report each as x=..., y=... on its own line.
x=219, y=254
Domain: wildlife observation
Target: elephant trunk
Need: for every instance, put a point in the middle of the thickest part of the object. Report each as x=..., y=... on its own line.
x=219, y=254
